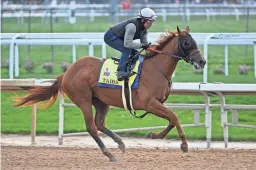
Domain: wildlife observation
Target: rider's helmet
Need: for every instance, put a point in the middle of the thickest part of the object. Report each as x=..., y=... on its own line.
x=147, y=14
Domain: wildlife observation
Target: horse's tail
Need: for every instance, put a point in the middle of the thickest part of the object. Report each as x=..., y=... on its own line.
x=47, y=95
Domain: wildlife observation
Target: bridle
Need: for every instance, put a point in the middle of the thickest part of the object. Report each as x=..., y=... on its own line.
x=180, y=55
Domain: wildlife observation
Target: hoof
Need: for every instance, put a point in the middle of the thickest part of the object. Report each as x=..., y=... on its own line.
x=113, y=159
x=150, y=135
x=122, y=147
x=184, y=148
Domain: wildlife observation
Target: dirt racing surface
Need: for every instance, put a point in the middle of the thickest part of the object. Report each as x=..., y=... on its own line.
x=63, y=158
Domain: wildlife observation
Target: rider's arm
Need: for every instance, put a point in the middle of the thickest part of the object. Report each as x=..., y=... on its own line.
x=144, y=38
x=130, y=31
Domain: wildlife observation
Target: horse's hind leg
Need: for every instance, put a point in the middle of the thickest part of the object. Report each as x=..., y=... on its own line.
x=101, y=112
x=84, y=102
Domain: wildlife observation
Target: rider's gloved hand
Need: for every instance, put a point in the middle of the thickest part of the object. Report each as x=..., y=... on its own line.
x=145, y=45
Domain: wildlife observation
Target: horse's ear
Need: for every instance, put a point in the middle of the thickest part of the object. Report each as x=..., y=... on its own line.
x=178, y=30
x=187, y=29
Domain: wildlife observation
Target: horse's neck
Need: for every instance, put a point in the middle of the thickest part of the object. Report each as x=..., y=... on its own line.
x=168, y=63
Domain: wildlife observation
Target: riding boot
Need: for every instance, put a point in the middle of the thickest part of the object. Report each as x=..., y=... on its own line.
x=122, y=72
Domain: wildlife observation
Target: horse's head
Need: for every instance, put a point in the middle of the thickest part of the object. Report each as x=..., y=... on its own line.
x=180, y=45
x=188, y=49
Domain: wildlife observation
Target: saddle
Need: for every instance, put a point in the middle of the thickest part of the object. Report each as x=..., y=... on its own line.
x=130, y=63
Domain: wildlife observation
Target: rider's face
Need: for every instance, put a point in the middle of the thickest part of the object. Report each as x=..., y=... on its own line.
x=148, y=24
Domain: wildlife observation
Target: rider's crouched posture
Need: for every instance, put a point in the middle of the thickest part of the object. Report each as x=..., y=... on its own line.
x=121, y=36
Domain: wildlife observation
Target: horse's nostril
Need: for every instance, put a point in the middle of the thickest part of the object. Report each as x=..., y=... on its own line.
x=202, y=62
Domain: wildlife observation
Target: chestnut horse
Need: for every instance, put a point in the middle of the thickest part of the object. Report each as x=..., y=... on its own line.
x=79, y=82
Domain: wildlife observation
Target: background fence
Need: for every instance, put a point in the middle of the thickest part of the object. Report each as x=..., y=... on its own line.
x=91, y=39
x=115, y=10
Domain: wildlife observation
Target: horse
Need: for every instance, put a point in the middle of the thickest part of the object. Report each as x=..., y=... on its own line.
x=79, y=83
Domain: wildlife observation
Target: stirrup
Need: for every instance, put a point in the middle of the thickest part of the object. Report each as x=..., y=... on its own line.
x=120, y=78
x=121, y=75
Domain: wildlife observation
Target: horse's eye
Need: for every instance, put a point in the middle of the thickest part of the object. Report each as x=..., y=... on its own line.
x=186, y=44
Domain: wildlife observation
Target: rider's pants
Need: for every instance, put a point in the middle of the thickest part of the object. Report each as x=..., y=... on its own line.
x=117, y=43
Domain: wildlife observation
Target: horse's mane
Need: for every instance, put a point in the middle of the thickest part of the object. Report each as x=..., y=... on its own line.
x=161, y=41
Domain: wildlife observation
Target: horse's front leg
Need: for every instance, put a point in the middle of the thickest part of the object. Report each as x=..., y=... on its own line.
x=156, y=108
x=162, y=134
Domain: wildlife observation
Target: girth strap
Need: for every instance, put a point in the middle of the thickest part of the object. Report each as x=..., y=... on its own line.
x=127, y=99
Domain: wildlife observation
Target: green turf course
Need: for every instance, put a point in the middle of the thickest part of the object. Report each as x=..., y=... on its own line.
x=18, y=120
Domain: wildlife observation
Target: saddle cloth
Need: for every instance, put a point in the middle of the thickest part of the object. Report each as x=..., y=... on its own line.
x=108, y=79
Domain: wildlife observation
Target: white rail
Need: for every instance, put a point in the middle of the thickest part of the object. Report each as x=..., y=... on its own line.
x=92, y=39
x=178, y=89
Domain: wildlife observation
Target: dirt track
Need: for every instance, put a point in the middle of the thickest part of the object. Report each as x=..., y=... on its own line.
x=62, y=158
